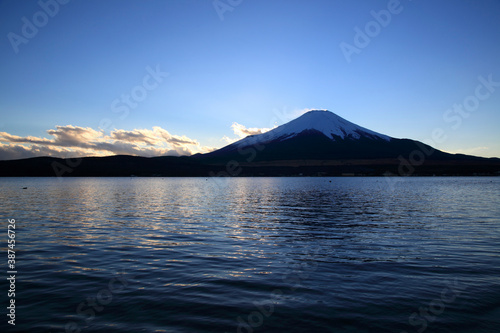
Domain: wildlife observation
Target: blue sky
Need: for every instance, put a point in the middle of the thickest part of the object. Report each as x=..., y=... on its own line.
x=184, y=76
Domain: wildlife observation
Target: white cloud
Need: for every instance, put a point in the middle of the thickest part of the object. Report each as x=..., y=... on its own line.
x=74, y=141
x=228, y=140
x=242, y=132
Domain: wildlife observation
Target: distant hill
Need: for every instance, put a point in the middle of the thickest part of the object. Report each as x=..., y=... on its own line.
x=111, y=166
x=318, y=143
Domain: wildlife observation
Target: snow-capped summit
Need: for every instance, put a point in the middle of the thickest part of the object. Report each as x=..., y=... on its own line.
x=328, y=123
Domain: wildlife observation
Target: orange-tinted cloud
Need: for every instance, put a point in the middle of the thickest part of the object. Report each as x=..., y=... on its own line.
x=74, y=141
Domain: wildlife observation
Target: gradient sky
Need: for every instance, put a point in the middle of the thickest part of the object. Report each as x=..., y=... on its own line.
x=237, y=67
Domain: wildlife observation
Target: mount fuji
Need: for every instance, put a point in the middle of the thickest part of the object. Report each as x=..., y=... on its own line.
x=319, y=135
x=325, y=122
x=318, y=143
x=322, y=143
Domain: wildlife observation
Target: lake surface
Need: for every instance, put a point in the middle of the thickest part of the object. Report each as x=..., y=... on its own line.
x=254, y=254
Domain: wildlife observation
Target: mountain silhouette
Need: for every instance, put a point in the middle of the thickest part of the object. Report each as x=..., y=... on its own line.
x=318, y=143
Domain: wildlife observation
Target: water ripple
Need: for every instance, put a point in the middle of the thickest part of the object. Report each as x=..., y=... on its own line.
x=255, y=254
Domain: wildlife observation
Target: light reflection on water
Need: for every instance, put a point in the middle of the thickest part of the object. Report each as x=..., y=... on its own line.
x=348, y=254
